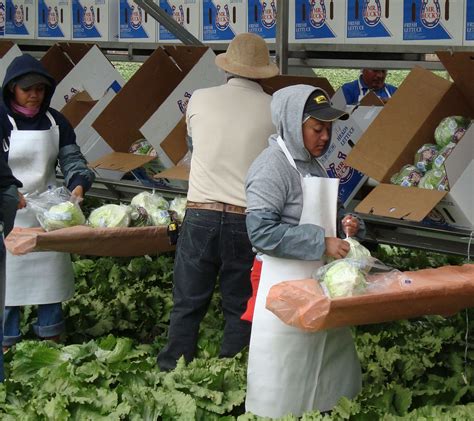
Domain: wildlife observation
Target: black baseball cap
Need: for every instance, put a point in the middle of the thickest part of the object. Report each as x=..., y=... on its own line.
x=319, y=107
x=31, y=79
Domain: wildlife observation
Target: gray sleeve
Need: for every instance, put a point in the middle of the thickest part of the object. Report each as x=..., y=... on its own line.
x=270, y=236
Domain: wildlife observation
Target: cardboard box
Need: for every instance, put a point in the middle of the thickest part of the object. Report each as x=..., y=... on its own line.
x=80, y=67
x=222, y=20
x=8, y=51
x=54, y=19
x=186, y=13
x=135, y=24
x=95, y=20
x=262, y=18
x=374, y=22
x=345, y=135
x=317, y=21
x=407, y=122
x=433, y=22
x=20, y=19
x=2, y=19
x=468, y=36
x=158, y=83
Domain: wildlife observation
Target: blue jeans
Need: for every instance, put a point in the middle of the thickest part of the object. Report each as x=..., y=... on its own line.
x=210, y=244
x=50, y=323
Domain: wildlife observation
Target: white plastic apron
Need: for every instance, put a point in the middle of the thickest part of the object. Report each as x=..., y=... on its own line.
x=44, y=277
x=289, y=370
x=361, y=92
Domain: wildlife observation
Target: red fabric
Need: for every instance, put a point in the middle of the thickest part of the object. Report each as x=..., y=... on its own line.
x=254, y=280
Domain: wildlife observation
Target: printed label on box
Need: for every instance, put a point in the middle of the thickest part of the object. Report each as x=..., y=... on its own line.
x=180, y=11
x=422, y=20
x=85, y=19
x=132, y=19
x=312, y=19
x=219, y=18
x=469, y=20
x=262, y=17
x=19, y=11
x=2, y=18
x=51, y=18
x=344, y=136
x=364, y=19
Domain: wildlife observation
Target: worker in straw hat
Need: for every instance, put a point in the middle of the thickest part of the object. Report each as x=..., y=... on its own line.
x=228, y=126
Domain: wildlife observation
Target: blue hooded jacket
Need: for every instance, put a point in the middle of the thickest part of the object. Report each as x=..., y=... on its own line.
x=71, y=161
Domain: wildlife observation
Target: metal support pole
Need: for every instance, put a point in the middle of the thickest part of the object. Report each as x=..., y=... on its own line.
x=282, y=35
x=157, y=13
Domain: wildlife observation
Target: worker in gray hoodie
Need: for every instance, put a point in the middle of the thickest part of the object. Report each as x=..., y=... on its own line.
x=294, y=221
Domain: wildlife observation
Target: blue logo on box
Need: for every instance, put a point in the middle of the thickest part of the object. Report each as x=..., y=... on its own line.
x=422, y=21
x=177, y=13
x=364, y=19
x=84, y=19
x=349, y=178
x=217, y=23
x=15, y=23
x=261, y=18
x=311, y=20
x=131, y=20
x=48, y=21
x=2, y=19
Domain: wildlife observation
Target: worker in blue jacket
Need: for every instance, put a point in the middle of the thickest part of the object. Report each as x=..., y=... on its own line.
x=34, y=139
x=369, y=80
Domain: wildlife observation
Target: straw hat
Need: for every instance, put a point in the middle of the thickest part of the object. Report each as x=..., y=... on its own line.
x=247, y=55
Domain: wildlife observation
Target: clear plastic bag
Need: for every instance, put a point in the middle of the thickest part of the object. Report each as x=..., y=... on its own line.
x=56, y=208
x=349, y=277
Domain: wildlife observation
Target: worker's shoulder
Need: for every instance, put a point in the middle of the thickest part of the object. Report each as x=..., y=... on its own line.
x=353, y=84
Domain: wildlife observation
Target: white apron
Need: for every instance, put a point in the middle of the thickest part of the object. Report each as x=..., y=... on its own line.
x=289, y=370
x=361, y=92
x=43, y=277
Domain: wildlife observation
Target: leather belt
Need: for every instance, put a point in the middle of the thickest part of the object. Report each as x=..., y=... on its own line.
x=217, y=206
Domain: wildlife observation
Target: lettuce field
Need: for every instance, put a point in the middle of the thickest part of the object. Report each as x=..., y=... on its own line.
x=105, y=369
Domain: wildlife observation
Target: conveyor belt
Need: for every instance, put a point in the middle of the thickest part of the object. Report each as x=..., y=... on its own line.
x=441, y=239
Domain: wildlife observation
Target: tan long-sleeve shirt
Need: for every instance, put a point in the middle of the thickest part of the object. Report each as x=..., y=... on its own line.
x=229, y=126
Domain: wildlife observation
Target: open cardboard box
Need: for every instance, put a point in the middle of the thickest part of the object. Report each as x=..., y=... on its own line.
x=407, y=122
x=153, y=102
x=80, y=67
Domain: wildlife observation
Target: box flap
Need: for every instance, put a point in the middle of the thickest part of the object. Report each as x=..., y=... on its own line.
x=281, y=81
x=408, y=203
x=369, y=99
x=78, y=107
x=5, y=47
x=405, y=123
x=61, y=58
x=460, y=66
x=119, y=124
x=120, y=161
x=460, y=157
x=178, y=172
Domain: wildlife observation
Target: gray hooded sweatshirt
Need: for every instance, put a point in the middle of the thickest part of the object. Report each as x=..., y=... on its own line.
x=273, y=186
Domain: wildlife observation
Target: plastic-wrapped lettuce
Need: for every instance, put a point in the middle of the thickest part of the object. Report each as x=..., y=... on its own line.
x=408, y=176
x=110, y=216
x=62, y=215
x=443, y=154
x=343, y=279
x=160, y=217
x=150, y=201
x=451, y=129
x=357, y=250
x=178, y=205
x=425, y=156
x=435, y=179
